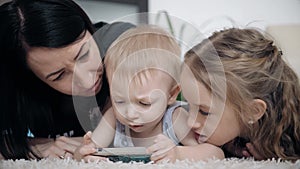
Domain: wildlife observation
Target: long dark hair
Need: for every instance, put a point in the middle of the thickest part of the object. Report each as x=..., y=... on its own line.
x=25, y=99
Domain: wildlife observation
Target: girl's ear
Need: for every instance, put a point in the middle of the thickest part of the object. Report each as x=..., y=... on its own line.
x=260, y=108
x=173, y=94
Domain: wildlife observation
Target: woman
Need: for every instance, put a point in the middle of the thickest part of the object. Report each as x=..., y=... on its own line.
x=42, y=41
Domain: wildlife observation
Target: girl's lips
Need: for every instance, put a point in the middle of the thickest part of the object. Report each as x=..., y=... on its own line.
x=200, y=138
x=197, y=136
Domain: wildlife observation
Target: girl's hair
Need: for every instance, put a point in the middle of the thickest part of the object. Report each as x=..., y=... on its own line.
x=26, y=101
x=139, y=51
x=254, y=69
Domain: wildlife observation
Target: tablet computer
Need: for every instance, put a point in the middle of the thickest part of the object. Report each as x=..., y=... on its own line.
x=126, y=154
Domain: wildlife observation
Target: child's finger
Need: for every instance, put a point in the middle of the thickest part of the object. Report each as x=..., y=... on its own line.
x=154, y=148
x=245, y=153
x=91, y=158
x=86, y=150
x=68, y=155
x=253, y=151
x=157, y=156
x=87, y=137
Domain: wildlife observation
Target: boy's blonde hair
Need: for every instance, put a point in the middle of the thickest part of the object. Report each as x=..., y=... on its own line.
x=139, y=51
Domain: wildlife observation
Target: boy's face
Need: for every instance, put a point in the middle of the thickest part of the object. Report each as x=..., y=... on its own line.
x=141, y=106
x=210, y=121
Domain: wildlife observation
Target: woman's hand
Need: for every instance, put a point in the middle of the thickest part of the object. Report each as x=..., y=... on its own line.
x=162, y=149
x=62, y=147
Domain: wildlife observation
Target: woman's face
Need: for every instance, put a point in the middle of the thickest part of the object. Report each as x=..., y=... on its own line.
x=73, y=70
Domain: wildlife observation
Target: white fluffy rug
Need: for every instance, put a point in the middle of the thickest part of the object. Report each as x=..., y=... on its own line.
x=211, y=164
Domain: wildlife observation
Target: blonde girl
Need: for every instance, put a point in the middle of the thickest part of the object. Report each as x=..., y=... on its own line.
x=238, y=85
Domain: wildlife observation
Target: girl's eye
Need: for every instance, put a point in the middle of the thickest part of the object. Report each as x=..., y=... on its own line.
x=145, y=104
x=59, y=77
x=203, y=112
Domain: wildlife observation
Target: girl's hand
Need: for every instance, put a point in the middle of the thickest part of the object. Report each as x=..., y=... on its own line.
x=252, y=151
x=242, y=150
x=163, y=149
x=62, y=147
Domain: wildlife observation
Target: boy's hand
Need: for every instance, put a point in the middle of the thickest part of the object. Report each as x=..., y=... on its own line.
x=87, y=138
x=86, y=150
x=162, y=149
x=83, y=151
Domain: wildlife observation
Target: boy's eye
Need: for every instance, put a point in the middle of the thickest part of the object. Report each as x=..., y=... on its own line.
x=119, y=102
x=145, y=103
x=203, y=112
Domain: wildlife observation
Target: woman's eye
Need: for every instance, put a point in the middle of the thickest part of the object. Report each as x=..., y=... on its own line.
x=84, y=55
x=145, y=103
x=59, y=77
x=204, y=113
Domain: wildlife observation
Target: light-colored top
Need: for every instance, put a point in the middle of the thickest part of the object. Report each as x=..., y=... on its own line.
x=122, y=136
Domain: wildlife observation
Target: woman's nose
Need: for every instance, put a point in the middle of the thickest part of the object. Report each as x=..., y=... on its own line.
x=87, y=72
x=85, y=79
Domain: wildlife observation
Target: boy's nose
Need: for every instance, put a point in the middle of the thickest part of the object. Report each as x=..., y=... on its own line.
x=132, y=114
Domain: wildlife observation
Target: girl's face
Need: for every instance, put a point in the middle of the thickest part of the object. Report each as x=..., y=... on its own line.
x=210, y=121
x=74, y=70
x=141, y=106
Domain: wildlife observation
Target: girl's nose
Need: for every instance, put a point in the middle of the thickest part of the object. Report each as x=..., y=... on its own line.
x=193, y=123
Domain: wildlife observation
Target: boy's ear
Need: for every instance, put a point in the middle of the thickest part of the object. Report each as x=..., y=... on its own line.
x=173, y=94
x=260, y=108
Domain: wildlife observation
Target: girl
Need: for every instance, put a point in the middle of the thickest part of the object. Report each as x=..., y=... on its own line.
x=238, y=85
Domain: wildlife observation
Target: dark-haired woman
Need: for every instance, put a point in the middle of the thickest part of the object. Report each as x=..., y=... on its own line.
x=51, y=75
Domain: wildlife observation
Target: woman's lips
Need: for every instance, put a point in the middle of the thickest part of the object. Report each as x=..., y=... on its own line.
x=96, y=85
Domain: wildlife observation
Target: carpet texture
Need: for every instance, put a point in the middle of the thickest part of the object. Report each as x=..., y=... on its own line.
x=211, y=164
